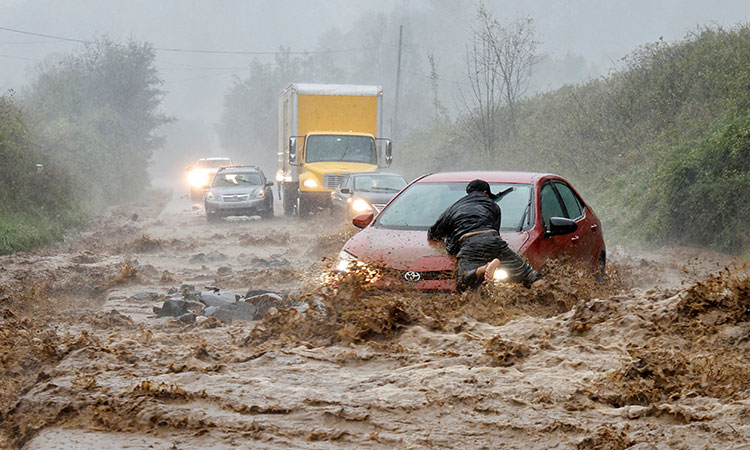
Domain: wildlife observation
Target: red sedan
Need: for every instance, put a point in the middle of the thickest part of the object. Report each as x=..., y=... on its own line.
x=543, y=218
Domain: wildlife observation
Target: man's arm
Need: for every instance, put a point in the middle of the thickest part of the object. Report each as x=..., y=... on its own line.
x=438, y=230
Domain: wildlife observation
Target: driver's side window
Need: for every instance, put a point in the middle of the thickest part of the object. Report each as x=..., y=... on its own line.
x=551, y=206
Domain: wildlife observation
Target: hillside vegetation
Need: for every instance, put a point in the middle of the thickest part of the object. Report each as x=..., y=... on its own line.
x=661, y=148
x=89, y=120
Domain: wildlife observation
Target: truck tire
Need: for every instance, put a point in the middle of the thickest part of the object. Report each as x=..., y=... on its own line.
x=289, y=198
x=303, y=206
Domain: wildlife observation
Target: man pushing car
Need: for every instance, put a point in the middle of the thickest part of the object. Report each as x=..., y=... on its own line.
x=471, y=231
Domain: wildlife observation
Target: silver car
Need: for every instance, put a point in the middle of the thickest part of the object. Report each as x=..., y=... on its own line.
x=239, y=191
x=366, y=192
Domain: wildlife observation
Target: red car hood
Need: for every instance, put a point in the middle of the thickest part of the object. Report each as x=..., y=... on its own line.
x=409, y=249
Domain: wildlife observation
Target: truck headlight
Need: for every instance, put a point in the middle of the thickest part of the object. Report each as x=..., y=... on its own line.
x=310, y=183
x=346, y=261
x=359, y=206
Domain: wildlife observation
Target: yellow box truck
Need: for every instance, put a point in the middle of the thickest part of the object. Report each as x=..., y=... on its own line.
x=325, y=132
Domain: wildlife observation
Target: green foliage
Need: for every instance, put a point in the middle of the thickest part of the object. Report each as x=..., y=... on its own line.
x=95, y=114
x=90, y=121
x=35, y=205
x=659, y=148
x=702, y=194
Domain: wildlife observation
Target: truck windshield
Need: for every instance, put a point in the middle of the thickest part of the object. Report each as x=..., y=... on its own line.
x=321, y=147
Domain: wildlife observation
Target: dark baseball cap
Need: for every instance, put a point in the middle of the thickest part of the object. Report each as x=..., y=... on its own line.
x=480, y=186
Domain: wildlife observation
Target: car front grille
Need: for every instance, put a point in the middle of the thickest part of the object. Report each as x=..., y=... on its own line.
x=235, y=198
x=413, y=277
x=332, y=181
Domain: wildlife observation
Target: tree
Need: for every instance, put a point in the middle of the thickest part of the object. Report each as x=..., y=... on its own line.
x=499, y=62
x=96, y=113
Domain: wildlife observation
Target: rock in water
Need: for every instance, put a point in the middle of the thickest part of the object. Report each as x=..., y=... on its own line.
x=235, y=311
x=172, y=308
x=264, y=302
x=217, y=298
x=187, y=318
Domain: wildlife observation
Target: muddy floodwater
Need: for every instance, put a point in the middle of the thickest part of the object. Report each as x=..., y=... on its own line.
x=654, y=357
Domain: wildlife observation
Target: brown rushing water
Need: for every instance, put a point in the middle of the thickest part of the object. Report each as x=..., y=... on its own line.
x=655, y=357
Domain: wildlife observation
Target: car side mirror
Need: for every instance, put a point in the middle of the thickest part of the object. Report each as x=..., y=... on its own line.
x=560, y=225
x=362, y=220
x=389, y=153
x=346, y=191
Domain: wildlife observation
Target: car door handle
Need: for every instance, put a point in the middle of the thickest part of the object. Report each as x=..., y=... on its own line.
x=575, y=238
x=594, y=227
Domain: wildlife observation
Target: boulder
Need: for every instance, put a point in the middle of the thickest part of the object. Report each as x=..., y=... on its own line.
x=171, y=308
x=187, y=318
x=264, y=302
x=235, y=311
x=145, y=296
x=218, y=298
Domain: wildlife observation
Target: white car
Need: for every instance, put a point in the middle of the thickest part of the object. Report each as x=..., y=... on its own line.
x=202, y=174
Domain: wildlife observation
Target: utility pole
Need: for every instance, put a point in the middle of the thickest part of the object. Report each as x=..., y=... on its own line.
x=394, y=127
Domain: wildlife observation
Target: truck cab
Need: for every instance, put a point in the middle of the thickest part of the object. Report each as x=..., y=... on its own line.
x=326, y=132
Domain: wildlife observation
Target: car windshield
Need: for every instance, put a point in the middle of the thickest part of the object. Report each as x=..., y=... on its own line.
x=237, y=179
x=341, y=148
x=378, y=183
x=420, y=205
x=214, y=163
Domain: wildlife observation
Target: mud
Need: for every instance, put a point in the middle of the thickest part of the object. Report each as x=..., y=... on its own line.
x=655, y=356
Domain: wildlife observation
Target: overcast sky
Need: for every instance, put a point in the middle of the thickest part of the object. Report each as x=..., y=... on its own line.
x=602, y=31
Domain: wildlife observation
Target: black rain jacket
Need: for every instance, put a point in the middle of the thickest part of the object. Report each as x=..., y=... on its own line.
x=473, y=212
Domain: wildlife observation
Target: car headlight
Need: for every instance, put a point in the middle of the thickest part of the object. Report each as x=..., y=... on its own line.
x=359, y=206
x=260, y=194
x=346, y=261
x=198, y=178
x=310, y=183
x=500, y=275
x=210, y=196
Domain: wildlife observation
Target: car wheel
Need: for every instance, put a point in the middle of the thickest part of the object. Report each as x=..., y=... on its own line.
x=268, y=212
x=601, y=268
x=289, y=198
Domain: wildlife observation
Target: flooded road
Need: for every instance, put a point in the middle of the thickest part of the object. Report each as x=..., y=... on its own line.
x=655, y=357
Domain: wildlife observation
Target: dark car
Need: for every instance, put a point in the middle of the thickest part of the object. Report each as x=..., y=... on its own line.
x=543, y=218
x=366, y=192
x=239, y=191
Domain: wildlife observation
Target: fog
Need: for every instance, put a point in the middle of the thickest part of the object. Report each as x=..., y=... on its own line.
x=204, y=46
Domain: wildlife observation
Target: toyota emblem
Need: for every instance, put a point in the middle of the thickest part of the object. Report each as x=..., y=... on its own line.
x=412, y=276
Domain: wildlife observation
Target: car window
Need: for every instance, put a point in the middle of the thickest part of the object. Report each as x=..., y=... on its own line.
x=571, y=201
x=378, y=183
x=421, y=204
x=551, y=206
x=237, y=179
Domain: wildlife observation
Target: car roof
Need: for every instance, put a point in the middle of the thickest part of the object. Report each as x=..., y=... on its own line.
x=385, y=174
x=489, y=176
x=232, y=169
